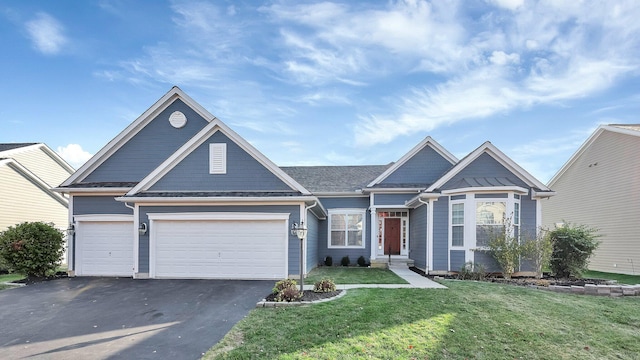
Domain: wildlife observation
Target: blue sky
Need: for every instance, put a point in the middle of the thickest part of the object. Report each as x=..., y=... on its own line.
x=326, y=83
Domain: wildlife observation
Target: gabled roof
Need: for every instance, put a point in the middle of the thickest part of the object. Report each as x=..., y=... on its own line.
x=499, y=156
x=7, y=150
x=334, y=179
x=211, y=128
x=428, y=141
x=28, y=175
x=135, y=127
x=627, y=129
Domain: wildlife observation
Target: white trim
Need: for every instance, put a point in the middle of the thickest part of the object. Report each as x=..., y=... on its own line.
x=542, y=194
x=104, y=217
x=340, y=194
x=428, y=141
x=197, y=140
x=217, y=158
x=347, y=211
x=489, y=189
x=93, y=190
x=218, y=216
x=430, y=235
x=47, y=150
x=71, y=240
x=499, y=156
x=592, y=138
x=391, y=190
x=279, y=200
x=134, y=128
x=136, y=238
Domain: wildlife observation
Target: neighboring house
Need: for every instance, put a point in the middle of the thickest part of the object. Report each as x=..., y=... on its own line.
x=178, y=194
x=600, y=187
x=28, y=172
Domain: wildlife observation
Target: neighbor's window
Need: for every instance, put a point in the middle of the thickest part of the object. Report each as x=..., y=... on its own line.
x=457, y=224
x=347, y=228
x=490, y=217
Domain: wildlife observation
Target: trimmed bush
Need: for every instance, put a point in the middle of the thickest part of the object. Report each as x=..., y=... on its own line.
x=345, y=261
x=362, y=262
x=472, y=271
x=324, y=285
x=538, y=250
x=573, y=245
x=328, y=261
x=289, y=294
x=33, y=249
x=283, y=284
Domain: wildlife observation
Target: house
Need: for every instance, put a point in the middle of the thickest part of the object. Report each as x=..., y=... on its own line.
x=600, y=187
x=28, y=172
x=178, y=194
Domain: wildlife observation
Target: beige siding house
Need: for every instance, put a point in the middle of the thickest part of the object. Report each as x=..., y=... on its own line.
x=600, y=186
x=28, y=172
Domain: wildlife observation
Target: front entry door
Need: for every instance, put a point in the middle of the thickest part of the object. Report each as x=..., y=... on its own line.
x=392, y=236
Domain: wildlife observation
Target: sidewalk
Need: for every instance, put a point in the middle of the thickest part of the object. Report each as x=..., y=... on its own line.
x=414, y=281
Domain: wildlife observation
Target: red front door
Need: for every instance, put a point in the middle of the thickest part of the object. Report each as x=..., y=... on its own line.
x=392, y=236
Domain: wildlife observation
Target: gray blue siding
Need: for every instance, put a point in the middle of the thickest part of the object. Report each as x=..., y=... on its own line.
x=425, y=167
x=312, y=241
x=87, y=205
x=393, y=199
x=294, y=243
x=441, y=234
x=418, y=236
x=149, y=148
x=457, y=259
x=483, y=166
x=244, y=173
x=323, y=240
x=485, y=258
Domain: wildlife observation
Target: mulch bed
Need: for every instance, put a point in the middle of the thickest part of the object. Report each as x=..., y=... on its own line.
x=35, y=279
x=524, y=281
x=309, y=295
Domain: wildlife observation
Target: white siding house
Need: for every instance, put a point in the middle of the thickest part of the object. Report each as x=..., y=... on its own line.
x=600, y=187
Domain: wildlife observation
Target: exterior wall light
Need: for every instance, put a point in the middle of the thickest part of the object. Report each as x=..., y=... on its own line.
x=142, y=229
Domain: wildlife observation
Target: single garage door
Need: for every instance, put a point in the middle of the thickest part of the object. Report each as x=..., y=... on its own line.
x=219, y=247
x=104, y=248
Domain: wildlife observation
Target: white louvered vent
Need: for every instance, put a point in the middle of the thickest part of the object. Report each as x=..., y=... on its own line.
x=218, y=158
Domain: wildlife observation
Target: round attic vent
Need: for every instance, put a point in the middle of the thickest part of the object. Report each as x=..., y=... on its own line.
x=177, y=119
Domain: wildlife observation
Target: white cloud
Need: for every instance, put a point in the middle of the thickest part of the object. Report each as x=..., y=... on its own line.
x=74, y=154
x=508, y=4
x=502, y=58
x=46, y=33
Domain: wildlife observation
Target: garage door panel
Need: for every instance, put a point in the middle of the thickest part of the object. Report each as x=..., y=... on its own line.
x=105, y=248
x=220, y=249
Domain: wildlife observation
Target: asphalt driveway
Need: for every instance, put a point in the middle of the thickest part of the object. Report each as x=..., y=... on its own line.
x=110, y=318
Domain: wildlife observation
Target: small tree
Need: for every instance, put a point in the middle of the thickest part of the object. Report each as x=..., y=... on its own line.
x=538, y=250
x=573, y=245
x=32, y=248
x=504, y=248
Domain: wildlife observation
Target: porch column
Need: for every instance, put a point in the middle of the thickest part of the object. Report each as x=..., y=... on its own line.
x=374, y=232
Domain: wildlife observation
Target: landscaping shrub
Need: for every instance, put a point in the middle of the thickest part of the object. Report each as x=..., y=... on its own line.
x=573, y=245
x=362, y=262
x=289, y=294
x=538, y=250
x=345, y=261
x=283, y=284
x=505, y=248
x=472, y=271
x=328, y=261
x=324, y=285
x=33, y=249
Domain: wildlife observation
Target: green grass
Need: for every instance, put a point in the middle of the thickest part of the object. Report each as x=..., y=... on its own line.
x=354, y=275
x=620, y=278
x=8, y=278
x=470, y=320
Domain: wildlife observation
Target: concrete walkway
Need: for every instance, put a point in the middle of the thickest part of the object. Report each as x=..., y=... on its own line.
x=414, y=281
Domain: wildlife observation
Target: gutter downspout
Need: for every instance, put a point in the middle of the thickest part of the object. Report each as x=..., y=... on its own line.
x=428, y=263
x=302, y=258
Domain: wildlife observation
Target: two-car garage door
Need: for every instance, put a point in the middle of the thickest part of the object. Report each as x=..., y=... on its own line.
x=224, y=246
x=192, y=245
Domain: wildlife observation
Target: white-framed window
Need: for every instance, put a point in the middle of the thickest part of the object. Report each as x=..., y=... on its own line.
x=457, y=224
x=218, y=158
x=490, y=216
x=346, y=228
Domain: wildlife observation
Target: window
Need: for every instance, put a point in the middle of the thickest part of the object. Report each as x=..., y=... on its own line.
x=347, y=228
x=218, y=158
x=457, y=224
x=490, y=216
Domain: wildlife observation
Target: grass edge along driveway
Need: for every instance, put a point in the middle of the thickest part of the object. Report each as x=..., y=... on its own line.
x=470, y=320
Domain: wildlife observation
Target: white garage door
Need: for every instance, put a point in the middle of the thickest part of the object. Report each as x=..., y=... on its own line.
x=104, y=248
x=219, y=249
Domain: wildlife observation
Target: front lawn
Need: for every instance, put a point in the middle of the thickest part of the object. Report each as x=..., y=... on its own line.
x=620, y=278
x=470, y=320
x=8, y=278
x=343, y=275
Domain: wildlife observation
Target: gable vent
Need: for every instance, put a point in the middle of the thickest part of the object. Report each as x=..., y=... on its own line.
x=218, y=158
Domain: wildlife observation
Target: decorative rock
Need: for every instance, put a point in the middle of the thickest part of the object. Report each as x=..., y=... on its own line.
x=604, y=290
x=591, y=289
x=577, y=290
